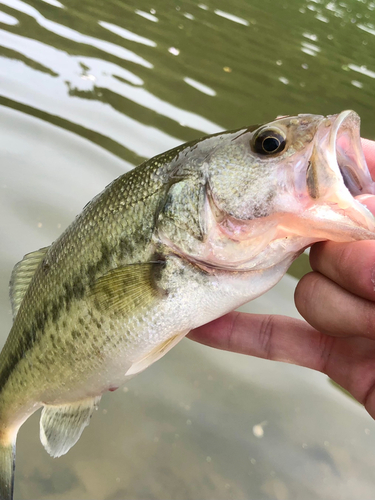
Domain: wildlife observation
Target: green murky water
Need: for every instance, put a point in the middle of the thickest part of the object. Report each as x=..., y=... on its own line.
x=88, y=89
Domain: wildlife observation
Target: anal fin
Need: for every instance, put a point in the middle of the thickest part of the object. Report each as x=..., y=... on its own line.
x=62, y=426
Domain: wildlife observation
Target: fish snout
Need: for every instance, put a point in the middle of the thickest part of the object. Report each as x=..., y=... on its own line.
x=337, y=173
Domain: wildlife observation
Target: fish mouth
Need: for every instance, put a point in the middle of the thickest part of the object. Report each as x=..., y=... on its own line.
x=337, y=173
x=345, y=143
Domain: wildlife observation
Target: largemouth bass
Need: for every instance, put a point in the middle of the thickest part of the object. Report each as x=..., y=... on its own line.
x=182, y=239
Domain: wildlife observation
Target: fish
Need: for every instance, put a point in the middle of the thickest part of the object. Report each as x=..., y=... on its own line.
x=179, y=241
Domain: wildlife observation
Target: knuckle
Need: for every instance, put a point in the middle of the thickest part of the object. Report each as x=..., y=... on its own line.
x=325, y=348
x=231, y=337
x=368, y=316
x=266, y=332
x=344, y=261
x=306, y=292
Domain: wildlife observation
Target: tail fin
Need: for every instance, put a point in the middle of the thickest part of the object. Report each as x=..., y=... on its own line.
x=7, y=463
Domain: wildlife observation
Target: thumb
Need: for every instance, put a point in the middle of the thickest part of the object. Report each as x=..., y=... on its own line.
x=369, y=151
x=368, y=201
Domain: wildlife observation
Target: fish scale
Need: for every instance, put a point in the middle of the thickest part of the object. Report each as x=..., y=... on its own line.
x=179, y=241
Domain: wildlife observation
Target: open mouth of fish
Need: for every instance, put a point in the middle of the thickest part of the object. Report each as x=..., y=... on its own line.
x=336, y=175
x=345, y=157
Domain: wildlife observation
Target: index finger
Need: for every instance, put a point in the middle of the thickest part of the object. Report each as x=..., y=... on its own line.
x=274, y=337
x=350, y=265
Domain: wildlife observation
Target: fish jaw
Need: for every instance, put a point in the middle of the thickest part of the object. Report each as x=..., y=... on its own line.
x=336, y=175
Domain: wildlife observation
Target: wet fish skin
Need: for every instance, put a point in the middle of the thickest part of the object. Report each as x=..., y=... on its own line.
x=101, y=238
x=182, y=239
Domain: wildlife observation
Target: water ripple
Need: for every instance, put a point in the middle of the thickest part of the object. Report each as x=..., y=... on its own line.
x=7, y=19
x=231, y=17
x=368, y=29
x=50, y=94
x=362, y=69
x=75, y=36
x=147, y=15
x=128, y=35
x=55, y=3
x=82, y=73
x=61, y=63
x=199, y=86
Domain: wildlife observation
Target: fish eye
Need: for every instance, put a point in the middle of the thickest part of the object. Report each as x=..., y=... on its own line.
x=268, y=142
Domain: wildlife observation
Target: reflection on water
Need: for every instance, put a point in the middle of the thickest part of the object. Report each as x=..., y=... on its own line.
x=87, y=91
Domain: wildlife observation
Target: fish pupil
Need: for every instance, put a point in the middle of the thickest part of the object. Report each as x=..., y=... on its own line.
x=270, y=144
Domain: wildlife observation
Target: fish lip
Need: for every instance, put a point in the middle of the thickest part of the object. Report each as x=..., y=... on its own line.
x=353, y=168
x=338, y=147
x=337, y=172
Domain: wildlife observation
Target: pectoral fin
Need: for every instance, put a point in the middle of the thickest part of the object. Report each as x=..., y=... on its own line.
x=22, y=275
x=127, y=288
x=62, y=426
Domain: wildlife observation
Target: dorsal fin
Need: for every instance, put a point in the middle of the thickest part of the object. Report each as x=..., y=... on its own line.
x=22, y=274
x=62, y=426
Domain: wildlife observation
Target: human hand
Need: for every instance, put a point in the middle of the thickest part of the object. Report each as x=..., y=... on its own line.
x=338, y=301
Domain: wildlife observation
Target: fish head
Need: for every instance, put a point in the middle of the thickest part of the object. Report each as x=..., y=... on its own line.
x=273, y=190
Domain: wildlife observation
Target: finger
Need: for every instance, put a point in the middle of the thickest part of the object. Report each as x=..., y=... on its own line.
x=333, y=310
x=369, y=151
x=278, y=338
x=367, y=200
x=350, y=265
